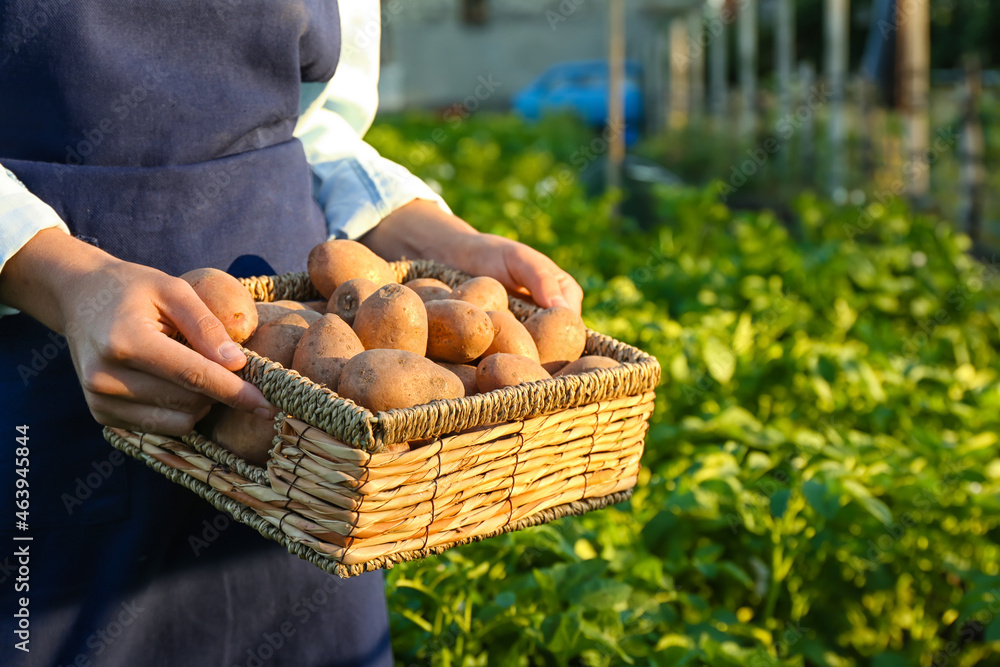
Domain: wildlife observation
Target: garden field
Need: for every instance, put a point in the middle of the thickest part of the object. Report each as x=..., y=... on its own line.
x=820, y=484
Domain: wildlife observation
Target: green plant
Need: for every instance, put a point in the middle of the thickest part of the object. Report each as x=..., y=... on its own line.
x=820, y=484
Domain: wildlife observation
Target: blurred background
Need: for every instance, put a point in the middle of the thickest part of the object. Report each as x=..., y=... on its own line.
x=792, y=204
x=864, y=83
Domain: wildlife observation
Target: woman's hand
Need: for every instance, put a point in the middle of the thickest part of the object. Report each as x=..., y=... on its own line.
x=421, y=229
x=118, y=318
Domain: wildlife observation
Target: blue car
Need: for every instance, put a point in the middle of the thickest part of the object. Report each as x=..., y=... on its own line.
x=582, y=86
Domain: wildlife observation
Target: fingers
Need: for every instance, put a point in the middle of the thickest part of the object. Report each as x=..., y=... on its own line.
x=167, y=359
x=203, y=330
x=163, y=420
x=203, y=369
x=549, y=285
x=572, y=292
x=133, y=386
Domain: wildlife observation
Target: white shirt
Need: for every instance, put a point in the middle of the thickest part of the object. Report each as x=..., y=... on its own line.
x=353, y=185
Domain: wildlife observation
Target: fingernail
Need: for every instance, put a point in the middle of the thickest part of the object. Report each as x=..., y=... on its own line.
x=266, y=413
x=230, y=352
x=558, y=302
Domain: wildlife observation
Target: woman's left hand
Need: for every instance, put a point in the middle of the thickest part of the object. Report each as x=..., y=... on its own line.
x=421, y=229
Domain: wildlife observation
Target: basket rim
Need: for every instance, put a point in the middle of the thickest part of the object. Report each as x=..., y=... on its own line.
x=357, y=426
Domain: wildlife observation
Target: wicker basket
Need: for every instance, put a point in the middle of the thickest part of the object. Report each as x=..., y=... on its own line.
x=492, y=463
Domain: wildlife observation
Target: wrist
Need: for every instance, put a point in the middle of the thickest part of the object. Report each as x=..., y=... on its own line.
x=421, y=230
x=40, y=277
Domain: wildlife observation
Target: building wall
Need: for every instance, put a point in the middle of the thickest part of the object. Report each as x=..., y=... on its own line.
x=432, y=59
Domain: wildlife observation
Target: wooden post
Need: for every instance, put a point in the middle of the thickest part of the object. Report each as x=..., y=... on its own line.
x=784, y=59
x=658, y=77
x=747, y=34
x=680, y=72
x=973, y=173
x=866, y=105
x=837, y=36
x=718, y=61
x=697, y=40
x=807, y=149
x=913, y=56
x=784, y=53
x=616, y=93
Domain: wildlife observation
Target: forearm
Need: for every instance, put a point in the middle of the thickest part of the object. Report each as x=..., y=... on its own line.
x=33, y=280
x=421, y=230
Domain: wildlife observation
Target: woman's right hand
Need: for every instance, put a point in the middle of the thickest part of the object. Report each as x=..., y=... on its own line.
x=118, y=318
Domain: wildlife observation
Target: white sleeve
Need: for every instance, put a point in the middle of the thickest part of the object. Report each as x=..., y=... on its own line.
x=354, y=185
x=22, y=215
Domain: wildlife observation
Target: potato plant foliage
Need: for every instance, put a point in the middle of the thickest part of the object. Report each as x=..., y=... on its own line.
x=820, y=482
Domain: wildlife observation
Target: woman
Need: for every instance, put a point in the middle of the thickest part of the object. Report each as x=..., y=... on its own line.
x=149, y=139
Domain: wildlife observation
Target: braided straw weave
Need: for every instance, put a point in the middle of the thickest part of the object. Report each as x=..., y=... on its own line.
x=485, y=465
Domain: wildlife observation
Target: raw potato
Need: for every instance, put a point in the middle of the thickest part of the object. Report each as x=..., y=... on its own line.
x=277, y=339
x=429, y=289
x=290, y=305
x=388, y=379
x=591, y=362
x=228, y=300
x=246, y=435
x=267, y=311
x=487, y=293
x=506, y=370
x=348, y=296
x=511, y=337
x=319, y=306
x=465, y=373
x=325, y=349
x=392, y=318
x=309, y=315
x=458, y=331
x=337, y=261
x=560, y=336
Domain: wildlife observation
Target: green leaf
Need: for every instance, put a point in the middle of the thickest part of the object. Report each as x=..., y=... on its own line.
x=720, y=360
x=505, y=600
x=602, y=594
x=875, y=507
x=779, y=502
x=820, y=499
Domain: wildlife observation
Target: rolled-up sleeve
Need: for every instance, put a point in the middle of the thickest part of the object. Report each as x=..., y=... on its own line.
x=354, y=185
x=22, y=215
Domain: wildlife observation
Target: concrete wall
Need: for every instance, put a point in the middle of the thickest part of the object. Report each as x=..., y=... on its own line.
x=432, y=59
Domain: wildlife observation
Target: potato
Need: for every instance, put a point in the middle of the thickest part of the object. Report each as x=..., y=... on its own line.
x=487, y=293
x=348, y=296
x=506, y=370
x=338, y=261
x=511, y=337
x=309, y=315
x=267, y=311
x=414, y=283
x=228, y=300
x=559, y=335
x=246, y=435
x=392, y=318
x=291, y=305
x=387, y=379
x=277, y=339
x=319, y=306
x=458, y=331
x=591, y=362
x=429, y=289
x=465, y=373
x=324, y=349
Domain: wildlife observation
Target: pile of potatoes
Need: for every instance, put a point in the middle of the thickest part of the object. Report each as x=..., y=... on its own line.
x=386, y=345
